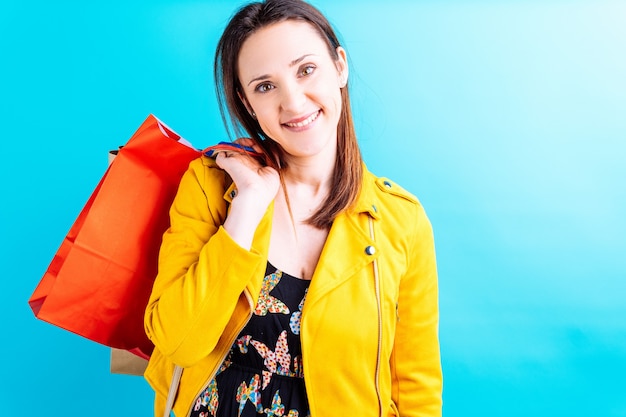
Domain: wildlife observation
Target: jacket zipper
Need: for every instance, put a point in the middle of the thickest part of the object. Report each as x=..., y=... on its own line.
x=219, y=364
x=380, y=323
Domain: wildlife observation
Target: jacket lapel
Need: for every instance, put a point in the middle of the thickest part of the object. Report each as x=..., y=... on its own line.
x=346, y=250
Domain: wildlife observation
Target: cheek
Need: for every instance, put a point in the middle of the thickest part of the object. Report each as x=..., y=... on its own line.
x=268, y=123
x=265, y=113
x=267, y=130
x=265, y=106
x=332, y=92
x=336, y=100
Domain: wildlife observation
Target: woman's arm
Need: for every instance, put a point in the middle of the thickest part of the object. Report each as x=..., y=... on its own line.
x=415, y=362
x=202, y=269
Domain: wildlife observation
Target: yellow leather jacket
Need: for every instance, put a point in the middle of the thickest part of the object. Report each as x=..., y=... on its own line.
x=369, y=323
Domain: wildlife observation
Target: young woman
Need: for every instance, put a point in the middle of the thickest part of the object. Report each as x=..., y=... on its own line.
x=299, y=283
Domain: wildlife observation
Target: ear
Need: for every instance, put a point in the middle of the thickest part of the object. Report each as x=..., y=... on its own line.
x=244, y=100
x=342, y=66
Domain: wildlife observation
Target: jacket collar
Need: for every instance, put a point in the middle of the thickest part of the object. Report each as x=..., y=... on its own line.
x=367, y=200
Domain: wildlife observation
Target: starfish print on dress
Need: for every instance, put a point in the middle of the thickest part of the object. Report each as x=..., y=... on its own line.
x=243, y=342
x=266, y=302
x=252, y=393
x=296, y=317
x=278, y=408
x=208, y=399
x=276, y=362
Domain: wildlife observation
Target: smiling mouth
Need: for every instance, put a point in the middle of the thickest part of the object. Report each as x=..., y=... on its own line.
x=306, y=121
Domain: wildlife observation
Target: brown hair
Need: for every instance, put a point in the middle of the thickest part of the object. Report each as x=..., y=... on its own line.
x=348, y=171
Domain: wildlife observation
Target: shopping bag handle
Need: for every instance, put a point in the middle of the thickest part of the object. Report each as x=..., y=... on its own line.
x=212, y=151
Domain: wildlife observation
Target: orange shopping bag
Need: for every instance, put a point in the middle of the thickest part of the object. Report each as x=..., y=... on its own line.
x=99, y=281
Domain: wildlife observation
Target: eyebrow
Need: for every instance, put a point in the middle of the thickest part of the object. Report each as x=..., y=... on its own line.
x=291, y=64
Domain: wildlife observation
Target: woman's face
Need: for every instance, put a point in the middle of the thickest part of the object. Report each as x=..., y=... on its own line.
x=292, y=84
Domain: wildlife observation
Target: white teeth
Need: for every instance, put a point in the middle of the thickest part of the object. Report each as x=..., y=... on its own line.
x=303, y=123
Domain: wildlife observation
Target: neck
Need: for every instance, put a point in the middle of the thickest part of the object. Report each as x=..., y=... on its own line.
x=306, y=188
x=311, y=176
x=303, y=182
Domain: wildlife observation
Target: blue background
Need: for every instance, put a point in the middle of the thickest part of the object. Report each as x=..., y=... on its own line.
x=507, y=119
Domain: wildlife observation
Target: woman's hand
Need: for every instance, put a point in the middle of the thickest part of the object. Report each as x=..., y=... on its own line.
x=250, y=177
x=257, y=186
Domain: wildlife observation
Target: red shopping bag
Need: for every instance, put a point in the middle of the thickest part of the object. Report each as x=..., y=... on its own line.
x=100, y=279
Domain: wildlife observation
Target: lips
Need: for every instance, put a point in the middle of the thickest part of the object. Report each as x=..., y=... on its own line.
x=303, y=122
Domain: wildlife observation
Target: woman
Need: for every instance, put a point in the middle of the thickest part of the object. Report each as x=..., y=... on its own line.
x=299, y=284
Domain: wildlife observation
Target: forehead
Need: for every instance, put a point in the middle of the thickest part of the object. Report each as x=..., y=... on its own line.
x=277, y=45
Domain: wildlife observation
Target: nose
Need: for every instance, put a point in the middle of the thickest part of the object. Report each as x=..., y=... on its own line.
x=293, y=97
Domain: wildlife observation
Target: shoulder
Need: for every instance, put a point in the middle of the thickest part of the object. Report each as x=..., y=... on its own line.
x=397, y=207
x=205, y=166
x=388, y=191
x=388, y=187
x=203, y=187
x=208, y=175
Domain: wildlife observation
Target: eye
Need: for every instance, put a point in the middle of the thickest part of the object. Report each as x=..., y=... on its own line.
x=307, y=70
x=263, y=87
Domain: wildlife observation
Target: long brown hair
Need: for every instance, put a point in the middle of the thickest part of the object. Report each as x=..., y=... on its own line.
x=348, y=171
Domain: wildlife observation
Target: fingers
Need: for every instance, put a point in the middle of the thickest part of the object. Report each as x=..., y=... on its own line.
x=235, y=162
x=222, y=156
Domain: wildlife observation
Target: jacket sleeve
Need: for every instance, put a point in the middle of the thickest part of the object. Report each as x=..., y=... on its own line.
x=202, y=271
x=415, y=361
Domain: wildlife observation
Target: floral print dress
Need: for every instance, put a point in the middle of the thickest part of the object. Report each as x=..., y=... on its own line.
x=262, y=375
